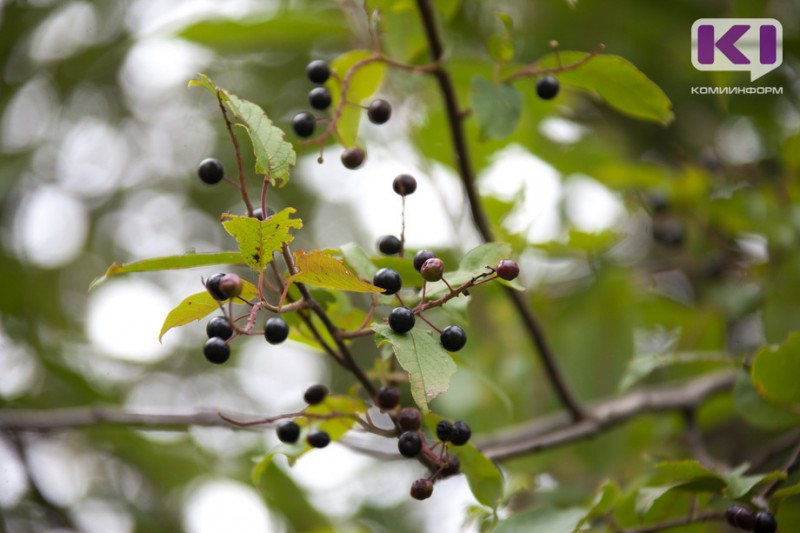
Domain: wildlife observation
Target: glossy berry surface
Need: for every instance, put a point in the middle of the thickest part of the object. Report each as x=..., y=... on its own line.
x=401, y=319
x=461, y=433
x=409, y=419
x=387, y=279
x=432, y=269
x=318, y=439
x=216, y=350
x=259, y=214
x=288, y=432
x=422, y=489
x=409, y=444
x=390, y=245
x=507, y=269
x=224, y=286
x=547, y=87
x=210, y=171
x=303, y=124
x=353, y=158
x=453, y=338
x=404, y=184
x=319, y=98
x=388, y=397
x=452, y=468
x=318, y=71
x=444, y=430
x=740, y=517
x=379, y=111
x=765, y=523
x=422, y=256
x=276, y=330
x=219, y=327
x=315, y=394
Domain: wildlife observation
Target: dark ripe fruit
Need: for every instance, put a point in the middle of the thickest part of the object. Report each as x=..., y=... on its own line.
x=210, y=171
x=452, y=467
x=740, y=517
x=390, y=245
x=432, y=269
x=507, y=269
x=318, y=439
x=388, y=398
x=224, y=286
x=444, y=430
x=303, y=124
x=409, y=444
x=387, y=279
x=379, y=111
x=318, y=71
x=461, y=433
x=668, y=232
x=216, y=350
x=288, y=432
x=259, y=214
x=765, y=523
x=547, y=87
x=219, y=327
x=353, y=158
x=276, y=330
x=319, y=98
x=453, y=338
x=657, y=202
x=409, y=419
x=404, y=184
x=212, y=285
x=422, y=489
x=401, y=319
x=422, y=256
x=315, y=394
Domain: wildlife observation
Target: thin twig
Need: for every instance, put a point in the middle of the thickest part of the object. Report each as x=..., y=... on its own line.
x=242, y=184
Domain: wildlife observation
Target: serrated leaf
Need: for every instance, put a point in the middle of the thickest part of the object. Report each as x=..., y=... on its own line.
x=274, y=156
x=484, y=478
x=258, y=239
x=642, y=365
x=543, y=519
x=429, y=366
x=172, y=262
x=319, y=269
x=775, y=370
x=363, y=84
x=617, y=81
x=199, y=305
x=497, y=107
x=336, y=403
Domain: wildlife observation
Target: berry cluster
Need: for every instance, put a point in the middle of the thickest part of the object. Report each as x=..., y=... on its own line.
x=404, y=185
x=748, y=520
x=289, y=430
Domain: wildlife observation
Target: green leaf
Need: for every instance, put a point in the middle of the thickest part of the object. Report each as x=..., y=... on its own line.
x=642, y=365
x=357, y=259
x=605, y=499
x=775, y=371
x=258, y=239
x=336, y=403
x=740, y=486
x=543, y=519
x=274, y=156
x=172, y=262
x=473, y=263
x=646, y=497
x=781, y=494
x=484, y=478
x=500, y=43
x=618, y=82
x=199, y=305
x=497, y=107
x=758, y=411
x=363, y=84
x=323, y=270
x=429, y=366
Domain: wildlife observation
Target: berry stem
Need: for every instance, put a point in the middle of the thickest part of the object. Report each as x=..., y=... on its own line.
x=242, y=187
x=534, y=69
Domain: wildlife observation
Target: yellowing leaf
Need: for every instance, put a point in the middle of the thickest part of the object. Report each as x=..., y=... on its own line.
x=258, y=239
x=362, y=85
x=322, y=270
x=337, y=403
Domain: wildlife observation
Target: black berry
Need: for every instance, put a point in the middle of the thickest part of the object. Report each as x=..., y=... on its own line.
x=453, y=338
x=432, y=269
x=390, y=245
x=409, y=444
x=318, y=71
x=224, y=286
x=319, y=98
x=452, y=467
x=461, y=433
x=401, y=319
x=276, y=330
x=668, y=232
x=409, y=419
x=765, y=523
x=303, y=124
x=315, y=394
x=547, y=87
x=388, y=398
x=422, y=489
x=657, y=202
x=740, y=517
x=444, y=430
x=422, y=256
x=259, y=214
x=353, y=158
x=216, y=350
x=288, y=432
x=219, y=327
x=507, y=269
x=318, y=439
x=404, y=185
x=210, y=171
x=387, y=279
x=379, y=111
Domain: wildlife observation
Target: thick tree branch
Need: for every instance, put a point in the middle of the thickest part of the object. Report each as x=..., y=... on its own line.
x=74, y=417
